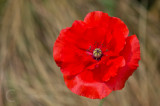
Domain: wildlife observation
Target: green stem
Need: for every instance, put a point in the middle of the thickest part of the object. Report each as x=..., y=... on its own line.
x=101, y=102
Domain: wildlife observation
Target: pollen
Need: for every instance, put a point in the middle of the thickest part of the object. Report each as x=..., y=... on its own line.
x=97, y=53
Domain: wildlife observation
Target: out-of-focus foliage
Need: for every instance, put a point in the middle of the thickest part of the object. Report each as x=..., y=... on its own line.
x=147, y=3
x=109, y=6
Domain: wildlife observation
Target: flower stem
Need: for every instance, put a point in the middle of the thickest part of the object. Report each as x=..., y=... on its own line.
x=101, y=102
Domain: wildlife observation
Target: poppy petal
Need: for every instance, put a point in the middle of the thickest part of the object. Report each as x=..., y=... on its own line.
x=118, y=28
x=84, y=84
x=104, y=70
x=95, y=35
x=68, y=53
x=74, y=36
x=96, y=18
x=119, y=32
x=131, y=53
x=99, y=19
x=112, y=67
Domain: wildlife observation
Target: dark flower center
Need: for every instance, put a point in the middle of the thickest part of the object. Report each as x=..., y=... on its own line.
x=97, y=53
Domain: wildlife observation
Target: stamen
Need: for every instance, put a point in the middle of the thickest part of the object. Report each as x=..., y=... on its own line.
x=89, y=47
x=97, y=53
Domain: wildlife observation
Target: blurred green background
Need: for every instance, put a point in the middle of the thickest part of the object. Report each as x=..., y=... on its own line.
x=28, y=30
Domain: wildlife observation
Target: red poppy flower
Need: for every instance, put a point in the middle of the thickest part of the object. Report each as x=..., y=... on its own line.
x=96, y=56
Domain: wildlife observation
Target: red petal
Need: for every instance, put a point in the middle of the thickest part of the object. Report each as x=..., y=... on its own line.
x=95, y=35
x=100, y=22
x=112, y=67
x=118, y=27
x=119, y=32
x=131, y=53
x=69, y=50
x=89, y=82
x=57, y=49
x=75, y=35
x=72, y=60
x=76, y=63
x=96, y=18
x=84, y=84
x=106, y=68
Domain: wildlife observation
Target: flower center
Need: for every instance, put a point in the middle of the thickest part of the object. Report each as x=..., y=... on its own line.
x=97, y=53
